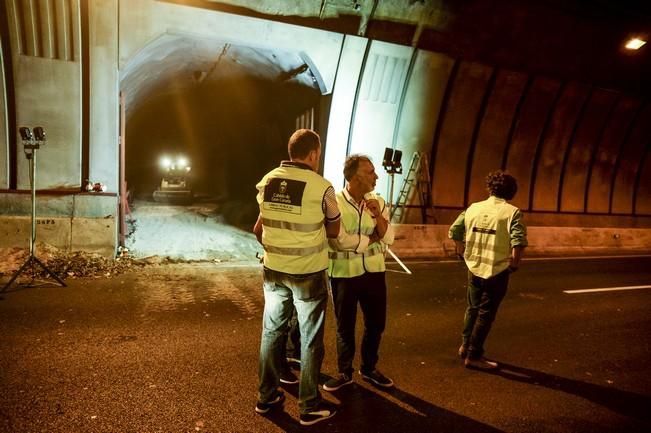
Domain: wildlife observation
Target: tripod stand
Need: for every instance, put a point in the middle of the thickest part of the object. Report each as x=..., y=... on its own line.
x=31, y=144
x=392, y=165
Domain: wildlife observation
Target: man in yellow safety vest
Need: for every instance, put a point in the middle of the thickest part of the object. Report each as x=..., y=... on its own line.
x=298, y=211
x=357, y=271
x=491, y=237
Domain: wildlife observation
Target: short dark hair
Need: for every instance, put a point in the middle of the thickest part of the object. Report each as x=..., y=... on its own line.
x=302, y=142
x=501, y=184
x=352, y=165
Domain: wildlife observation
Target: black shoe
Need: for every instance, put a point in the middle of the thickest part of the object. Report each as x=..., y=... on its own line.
x=377, y=378
x=337, y=382
x=287, y=377
x=294, y=363
x=323, y=410
x=278, y=400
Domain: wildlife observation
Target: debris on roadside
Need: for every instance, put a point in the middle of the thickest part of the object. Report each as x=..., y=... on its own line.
x=79, y=264
x=75, y=264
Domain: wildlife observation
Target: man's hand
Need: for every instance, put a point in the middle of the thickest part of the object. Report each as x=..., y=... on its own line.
x=374, y=207
x=459, y=248
x=375, y=237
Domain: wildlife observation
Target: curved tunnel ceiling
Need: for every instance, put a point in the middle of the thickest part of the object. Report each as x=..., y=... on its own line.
x=562, y=39
x=176, y=63
x=229, y=109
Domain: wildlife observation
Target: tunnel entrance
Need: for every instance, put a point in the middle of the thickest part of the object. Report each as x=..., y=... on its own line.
x=228, y=110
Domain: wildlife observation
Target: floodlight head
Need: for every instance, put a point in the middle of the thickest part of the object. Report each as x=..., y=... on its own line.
x=39, y=133
x=397, y=156
x=388, y=154
x=26, y=133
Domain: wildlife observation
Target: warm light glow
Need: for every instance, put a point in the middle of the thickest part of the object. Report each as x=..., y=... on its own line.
x=182, y=162
x=635, y=44
x=166, y=162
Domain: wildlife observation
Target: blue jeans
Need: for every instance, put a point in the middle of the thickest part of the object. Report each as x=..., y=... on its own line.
x=484, y=298
x=309, y=295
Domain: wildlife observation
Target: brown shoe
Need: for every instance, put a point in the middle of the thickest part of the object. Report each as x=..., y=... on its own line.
x=480, y=364
x=463, y=352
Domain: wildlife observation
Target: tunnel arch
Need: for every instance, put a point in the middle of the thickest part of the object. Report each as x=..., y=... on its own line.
x=229, y=108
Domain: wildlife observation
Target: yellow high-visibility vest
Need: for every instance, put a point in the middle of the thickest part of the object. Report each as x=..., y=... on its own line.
x=488, y=240
x=291, y=205
x=346, y=264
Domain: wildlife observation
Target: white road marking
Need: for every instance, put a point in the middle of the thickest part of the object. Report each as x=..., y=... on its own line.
x=606, y=289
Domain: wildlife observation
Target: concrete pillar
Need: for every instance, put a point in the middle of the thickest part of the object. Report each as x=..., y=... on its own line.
x=4, y=127
x=341, y=110
x=104, y=101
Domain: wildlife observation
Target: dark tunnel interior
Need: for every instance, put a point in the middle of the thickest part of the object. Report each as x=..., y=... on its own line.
x=232, y=124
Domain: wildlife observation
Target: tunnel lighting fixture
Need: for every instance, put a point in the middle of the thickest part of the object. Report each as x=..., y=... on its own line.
x=635, y=44
x=26, y=134
x=182, y=162
x=39, y=133
x=166, y=162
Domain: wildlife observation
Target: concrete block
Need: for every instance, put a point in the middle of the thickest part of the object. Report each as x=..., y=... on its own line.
x=431, y=241
x=46, y=205
x=93, y=205
x=15, y=231
x=422, y=240
x=94, y=235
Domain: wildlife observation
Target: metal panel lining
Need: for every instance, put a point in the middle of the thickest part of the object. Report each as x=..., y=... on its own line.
x=386, y=75
x=533, y=119
x=630, y=163
x=44, y=28
x=554, y=150
x=541, y=141
x=578, y=159
x=642, y=190
x=595, y=151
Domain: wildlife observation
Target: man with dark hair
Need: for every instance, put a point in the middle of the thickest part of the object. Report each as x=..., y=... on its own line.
x=357, y=271
x=298, y=211
x=491, y=237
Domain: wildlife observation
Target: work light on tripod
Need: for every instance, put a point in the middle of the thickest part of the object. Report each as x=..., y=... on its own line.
x=31, y=143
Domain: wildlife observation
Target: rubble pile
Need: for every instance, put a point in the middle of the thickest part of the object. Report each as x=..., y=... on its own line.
x=68, y=264
x=78, y=264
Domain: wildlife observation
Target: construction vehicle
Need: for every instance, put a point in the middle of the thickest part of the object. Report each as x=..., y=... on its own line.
x=175, y=185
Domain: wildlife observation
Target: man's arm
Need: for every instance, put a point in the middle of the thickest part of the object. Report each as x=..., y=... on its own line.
x=519, y=241
x=516, y=255
x=383, y=228
x=332, y=228
x=257, y=229
x=457, y=233
x=332, y=214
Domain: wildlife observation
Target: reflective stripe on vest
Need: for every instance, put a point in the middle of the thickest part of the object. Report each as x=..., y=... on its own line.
x=296, y=227
x=291, y=207
x=296, y=251
x=374, y=250
x=488, y=242
x=347, y=264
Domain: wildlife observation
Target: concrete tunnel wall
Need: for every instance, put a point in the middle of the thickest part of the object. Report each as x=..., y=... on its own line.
x=580, y=152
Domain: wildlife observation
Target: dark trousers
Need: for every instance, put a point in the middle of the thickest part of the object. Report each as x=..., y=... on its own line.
x=370, y=291
x=484, y=298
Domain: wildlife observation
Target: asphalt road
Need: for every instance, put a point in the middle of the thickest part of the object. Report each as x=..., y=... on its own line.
x=174, y=349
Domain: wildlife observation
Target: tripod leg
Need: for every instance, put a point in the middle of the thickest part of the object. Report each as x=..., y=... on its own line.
x=17, y=273
x=50, y=273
